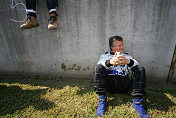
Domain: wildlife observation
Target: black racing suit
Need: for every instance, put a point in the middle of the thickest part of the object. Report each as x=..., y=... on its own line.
x=117, y=79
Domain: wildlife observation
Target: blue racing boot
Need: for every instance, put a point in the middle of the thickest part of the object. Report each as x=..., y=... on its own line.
x=137, y=104
x=102, y=105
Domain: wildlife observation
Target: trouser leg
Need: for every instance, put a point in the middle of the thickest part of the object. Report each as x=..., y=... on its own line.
x=139, y=81
x=52, y=6
x=99, y=79
x=31, y=7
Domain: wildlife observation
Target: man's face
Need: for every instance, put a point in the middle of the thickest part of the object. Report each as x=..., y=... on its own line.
x=118, y=46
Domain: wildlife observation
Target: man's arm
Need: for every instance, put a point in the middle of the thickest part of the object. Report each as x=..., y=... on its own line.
x=117, y=60
x=108, y=63
x=121, y=60
x=132, y=63
x=102, y=60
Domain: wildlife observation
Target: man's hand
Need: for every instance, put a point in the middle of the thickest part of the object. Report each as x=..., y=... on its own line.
x=114, y=60
x=121, y=60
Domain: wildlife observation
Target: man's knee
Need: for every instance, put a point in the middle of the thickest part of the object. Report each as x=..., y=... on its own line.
x=99, y=75
x=139, y=80
x=99, y=79
x=100, y=69
x=138, y=68
x=139, y=72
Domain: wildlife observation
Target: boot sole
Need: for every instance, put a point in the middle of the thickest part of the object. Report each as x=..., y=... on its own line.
x=52, y=28
x=29, y=27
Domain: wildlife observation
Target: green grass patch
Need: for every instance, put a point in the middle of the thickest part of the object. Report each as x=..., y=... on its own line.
x=41, y=97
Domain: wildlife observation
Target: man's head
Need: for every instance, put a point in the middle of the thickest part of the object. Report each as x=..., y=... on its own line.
x=116, y=44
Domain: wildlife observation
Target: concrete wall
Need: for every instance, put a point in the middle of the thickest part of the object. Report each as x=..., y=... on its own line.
x=147, y=26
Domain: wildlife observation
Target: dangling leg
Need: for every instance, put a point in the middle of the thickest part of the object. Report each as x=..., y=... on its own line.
x=52, y=7
x=31, y=7
x=31, y=15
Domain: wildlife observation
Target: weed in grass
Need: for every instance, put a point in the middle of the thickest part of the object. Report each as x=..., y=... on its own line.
x=75, y=98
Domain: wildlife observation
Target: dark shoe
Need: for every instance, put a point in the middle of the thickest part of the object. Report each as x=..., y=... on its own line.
x=137, y=104
x=31, y=22
x=102, y=105
x=52, y=23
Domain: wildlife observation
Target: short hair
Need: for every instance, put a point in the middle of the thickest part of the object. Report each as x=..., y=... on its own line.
x=112, y=39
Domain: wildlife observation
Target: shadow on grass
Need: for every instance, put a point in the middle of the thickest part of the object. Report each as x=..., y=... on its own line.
x=159, y=97
x=13, y=98
x=119, y=99
x=51, y=82
x=86, y=85
x=157, y=94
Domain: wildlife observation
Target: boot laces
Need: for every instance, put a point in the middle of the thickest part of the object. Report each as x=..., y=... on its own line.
x=52, y=19
x=28, y=18
x=102, y=105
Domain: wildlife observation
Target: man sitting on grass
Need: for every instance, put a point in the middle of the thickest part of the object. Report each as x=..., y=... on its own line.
x=112, y=75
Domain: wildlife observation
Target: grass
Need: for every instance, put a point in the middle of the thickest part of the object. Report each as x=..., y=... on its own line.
x=41, y=97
